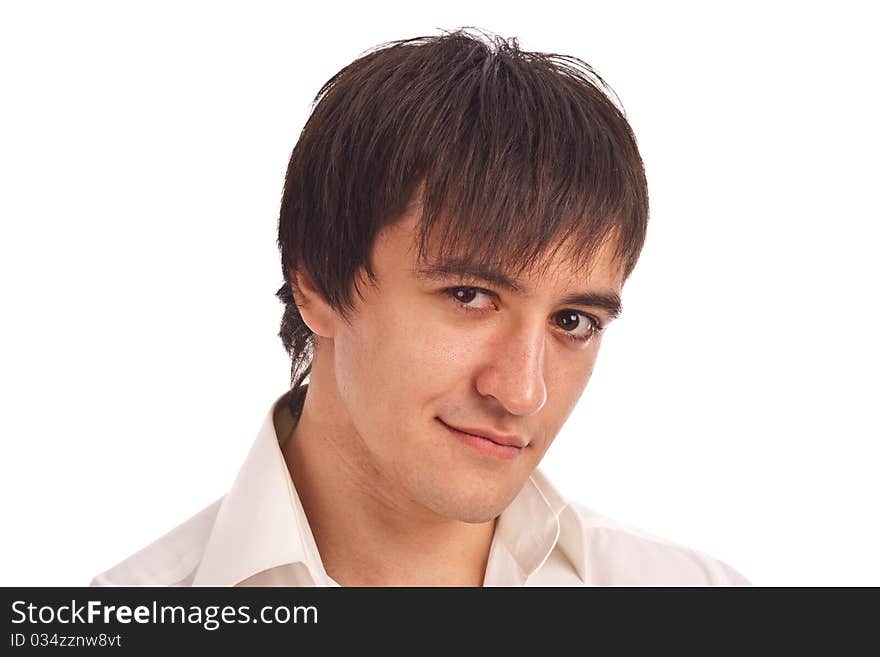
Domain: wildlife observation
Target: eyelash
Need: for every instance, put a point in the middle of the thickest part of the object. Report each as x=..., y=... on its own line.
x=598, y=327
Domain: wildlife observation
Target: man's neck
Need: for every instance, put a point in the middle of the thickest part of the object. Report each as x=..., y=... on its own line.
x=367, y=531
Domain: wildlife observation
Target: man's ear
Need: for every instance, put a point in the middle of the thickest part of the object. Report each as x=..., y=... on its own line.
x=315, y=311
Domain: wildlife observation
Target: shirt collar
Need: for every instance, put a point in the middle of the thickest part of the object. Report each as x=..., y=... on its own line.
x=261, y=523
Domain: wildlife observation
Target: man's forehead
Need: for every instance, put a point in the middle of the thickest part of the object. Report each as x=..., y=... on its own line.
x=553, y=266
x=558, y=265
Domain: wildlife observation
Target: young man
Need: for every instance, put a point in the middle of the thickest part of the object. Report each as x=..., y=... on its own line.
x=458, y=220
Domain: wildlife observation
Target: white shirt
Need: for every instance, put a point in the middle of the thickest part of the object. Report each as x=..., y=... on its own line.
x=258, y=535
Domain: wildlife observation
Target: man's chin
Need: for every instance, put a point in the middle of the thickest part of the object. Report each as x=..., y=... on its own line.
x=480, y=507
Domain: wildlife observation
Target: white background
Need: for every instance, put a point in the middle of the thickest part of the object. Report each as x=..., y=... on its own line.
x=142, y=154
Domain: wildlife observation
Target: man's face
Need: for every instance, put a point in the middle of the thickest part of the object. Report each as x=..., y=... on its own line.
x=429, y=351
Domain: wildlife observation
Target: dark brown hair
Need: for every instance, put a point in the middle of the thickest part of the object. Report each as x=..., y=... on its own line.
x=509, y=154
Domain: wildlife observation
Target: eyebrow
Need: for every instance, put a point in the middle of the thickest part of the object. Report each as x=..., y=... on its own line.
x=446, y=269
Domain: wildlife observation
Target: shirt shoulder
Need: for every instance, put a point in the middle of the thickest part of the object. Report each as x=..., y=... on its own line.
x=168, y=561
x=618, y=554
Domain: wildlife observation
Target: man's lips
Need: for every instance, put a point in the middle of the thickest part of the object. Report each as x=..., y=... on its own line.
x=497, y=437
x=488, y=442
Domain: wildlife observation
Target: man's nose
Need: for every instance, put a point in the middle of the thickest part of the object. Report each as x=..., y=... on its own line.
x=514, y=373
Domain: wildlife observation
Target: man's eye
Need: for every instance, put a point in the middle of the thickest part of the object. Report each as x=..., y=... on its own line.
x=466, y=295
x=578, y=326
